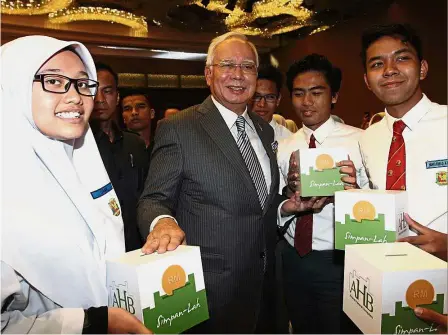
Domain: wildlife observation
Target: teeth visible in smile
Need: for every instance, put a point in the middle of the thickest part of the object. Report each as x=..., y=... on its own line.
x=68, y=115
x=236, y=88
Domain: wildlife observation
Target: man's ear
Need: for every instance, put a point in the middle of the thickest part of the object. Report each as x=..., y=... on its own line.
x=208, y=75
x=152, y=113
x=118, y=99
x=334, y=98
x=367, y=83
x=278, y=99
x=424, y=67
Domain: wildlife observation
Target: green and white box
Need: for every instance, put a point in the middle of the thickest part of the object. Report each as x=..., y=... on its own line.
x=383, y=283
x=369, y=216
x=165, y=291
x=319, y=175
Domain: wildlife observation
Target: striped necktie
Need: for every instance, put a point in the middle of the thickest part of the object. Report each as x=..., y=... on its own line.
x=251, y=160
x=396, y=165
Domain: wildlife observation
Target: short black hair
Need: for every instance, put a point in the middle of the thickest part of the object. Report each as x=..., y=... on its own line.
x=271, y=73
x=319, y=63
x=403, y=31
x=132, y=92
x=104, y=67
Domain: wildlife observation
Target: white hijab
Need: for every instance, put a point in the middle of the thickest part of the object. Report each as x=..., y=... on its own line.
x=54, y=234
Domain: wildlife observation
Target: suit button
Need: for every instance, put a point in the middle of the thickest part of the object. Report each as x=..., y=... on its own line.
x=262, y=255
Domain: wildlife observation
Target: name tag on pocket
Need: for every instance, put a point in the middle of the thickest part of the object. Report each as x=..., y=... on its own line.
x=437, y=164
x=101, y=191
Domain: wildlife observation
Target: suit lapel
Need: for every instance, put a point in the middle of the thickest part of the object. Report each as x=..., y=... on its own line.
x=217, y=129
x=267, y=144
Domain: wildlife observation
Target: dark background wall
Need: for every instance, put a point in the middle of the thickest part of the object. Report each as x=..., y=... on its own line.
x=342, y=46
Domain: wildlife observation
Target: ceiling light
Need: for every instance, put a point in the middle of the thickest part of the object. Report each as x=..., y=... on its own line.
x=138, y=23
x=33, y=7
x=162, y=54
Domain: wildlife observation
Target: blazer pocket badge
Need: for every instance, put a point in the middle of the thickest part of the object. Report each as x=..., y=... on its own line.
x=275, y=147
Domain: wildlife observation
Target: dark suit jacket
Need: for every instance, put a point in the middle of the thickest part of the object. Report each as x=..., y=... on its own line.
x=197, y=175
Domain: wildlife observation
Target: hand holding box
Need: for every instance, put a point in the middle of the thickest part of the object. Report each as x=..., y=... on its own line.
x=369, y=216
x=319, y=175
x=383, y=283
x=164, y=291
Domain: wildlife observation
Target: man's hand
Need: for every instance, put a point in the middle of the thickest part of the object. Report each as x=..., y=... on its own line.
x=431, y=316
x=297, y=204
x=348, y=172
x=428, y=239
x=293, y=176
x=121, y=321
x=166, y=235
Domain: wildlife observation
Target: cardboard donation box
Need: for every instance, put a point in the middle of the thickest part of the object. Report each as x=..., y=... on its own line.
x=369, y=216
x=383, y=283
x=319, y=175
x=165, y=291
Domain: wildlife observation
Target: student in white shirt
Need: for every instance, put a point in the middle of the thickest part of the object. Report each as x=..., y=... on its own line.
x=61, y=216
x=394, y=69
x=313, y=282
x=267, y=98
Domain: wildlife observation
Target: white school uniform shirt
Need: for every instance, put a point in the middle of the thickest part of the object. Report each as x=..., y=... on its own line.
x=425, y=138
x=331, y=134
x=230, y=120
x=280, y=132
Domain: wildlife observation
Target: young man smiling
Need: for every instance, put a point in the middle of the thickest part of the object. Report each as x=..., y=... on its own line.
x=312, y=269
x=407, y=149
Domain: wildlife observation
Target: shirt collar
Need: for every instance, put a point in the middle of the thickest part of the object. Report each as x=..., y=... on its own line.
x=413, y=116
x=98, y=133
x=321, y=133
x=230, y=117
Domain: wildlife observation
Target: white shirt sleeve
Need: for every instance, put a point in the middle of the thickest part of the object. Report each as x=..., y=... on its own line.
x=26, y=310
x=156, y=220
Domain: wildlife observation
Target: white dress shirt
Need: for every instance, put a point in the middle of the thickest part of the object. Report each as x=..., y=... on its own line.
x=425, y=138
x=230, y=120
x=331, y=134
x=281, y=132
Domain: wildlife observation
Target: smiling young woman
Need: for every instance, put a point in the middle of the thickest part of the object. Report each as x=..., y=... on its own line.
x=56, y=234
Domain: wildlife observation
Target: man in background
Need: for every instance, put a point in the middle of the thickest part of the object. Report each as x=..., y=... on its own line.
x=267, y=98
x=170, y=111
x=138, y=114
x=123, y=153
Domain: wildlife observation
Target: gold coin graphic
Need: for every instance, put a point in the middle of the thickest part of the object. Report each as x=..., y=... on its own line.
x=173, y=278
x=420, y=292
x=324, y=162
x=364, y=210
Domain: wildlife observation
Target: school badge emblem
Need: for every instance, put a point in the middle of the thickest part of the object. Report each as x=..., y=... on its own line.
x=441, y=178
x=114, y=207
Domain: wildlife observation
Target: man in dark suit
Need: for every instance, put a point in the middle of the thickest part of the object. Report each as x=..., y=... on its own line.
x=214, y=174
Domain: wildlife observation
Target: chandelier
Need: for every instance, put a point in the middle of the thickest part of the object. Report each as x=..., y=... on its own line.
x=33, y=7
x=287, y=15
x=138, y=23
x=65, y=11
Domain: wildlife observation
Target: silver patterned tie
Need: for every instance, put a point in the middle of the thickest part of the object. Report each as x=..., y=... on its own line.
x=251, y=160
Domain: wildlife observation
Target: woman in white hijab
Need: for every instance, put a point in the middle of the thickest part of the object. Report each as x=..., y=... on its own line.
x=61, y=218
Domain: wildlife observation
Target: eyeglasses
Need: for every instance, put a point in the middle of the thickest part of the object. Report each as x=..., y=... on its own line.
x=226, y=67
x=56, y=83
x=267, y=97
